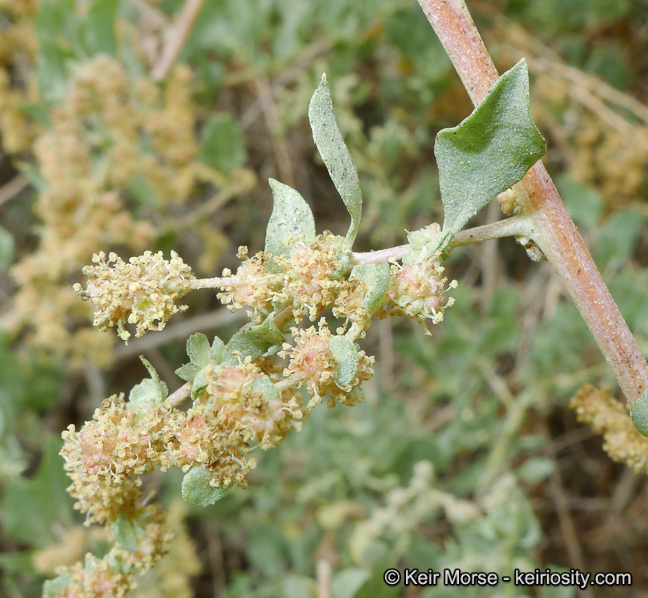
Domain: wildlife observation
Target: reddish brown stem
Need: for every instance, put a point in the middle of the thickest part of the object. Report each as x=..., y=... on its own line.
x=553, y=229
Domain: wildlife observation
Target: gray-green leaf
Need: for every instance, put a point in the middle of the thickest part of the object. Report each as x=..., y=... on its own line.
x=376, y=277
x=346, y=356
x=125, y=533
x=198, y=349
x=196, y=489
x=150, y=392
x=187, y=372
x=335, y=154
x=291, y=215
x=255, y=341
x=54, y=586
x=639, y=414
x=200, y=383
x=489, y=151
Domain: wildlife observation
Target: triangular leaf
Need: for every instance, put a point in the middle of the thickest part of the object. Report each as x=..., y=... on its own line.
x=489, y=151
x=255, y=341
x=376, y=277
x=335, y=154
x=291, y=216
x=345, y=354
x=196, y=489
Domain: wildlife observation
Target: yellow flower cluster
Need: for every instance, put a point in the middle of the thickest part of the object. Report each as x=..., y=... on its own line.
x=18, y=48
x=610, y=418
x=143, y=291
x=110, y=130
x=418, y=291
x=243, y=399
x=314, y=277
x=312, y=365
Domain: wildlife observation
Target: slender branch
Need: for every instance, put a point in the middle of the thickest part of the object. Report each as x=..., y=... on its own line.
x=553, y=229
x=227, y=281
x=509, y=227
x=175, y=398
x=177, y=38
x=375, y=257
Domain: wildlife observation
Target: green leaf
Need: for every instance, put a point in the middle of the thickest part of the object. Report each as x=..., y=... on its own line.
x=217, y=351
x=291, y=215
x=201, y=355
x=125, y=533
x=150, y=392
x=52, y=587
x=198, y=349
x=348, y=582
x=255, y=341
x=535, y=470
x=424, y=243
x=200, y=383
x=6, y=248
x=376, y=277
x=222, y=144
x=99, y=29
x=639, y=414
x=346, y=355
x=196, y=489
x=187, y=372
x=335, y=154
x=33, y=508
x=489, y=151
x=266, y=388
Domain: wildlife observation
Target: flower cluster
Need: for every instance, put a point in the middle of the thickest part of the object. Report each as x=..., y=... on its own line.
x=315, y=276
x=244, y=398
x=112, y=135
x=610, y=418
x=143, y=291
x=313, y=365
x=418, y=291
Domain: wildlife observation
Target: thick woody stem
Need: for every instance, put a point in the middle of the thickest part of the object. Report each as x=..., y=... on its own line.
x=553, y=229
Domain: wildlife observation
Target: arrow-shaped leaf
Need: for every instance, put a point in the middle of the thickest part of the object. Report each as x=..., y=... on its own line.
x=489, y=151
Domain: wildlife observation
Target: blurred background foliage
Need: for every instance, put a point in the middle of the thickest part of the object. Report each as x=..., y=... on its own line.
x=464, y=453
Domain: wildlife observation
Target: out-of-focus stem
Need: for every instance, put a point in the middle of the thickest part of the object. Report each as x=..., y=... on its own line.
x=177, y=38
x=552, y=227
